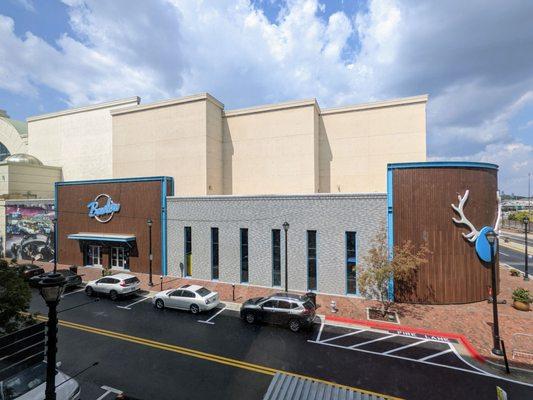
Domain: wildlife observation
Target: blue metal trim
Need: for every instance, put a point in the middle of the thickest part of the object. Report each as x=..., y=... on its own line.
x=56, y=236
x=442, y=164
x=164, y=226
x=390, y=224
x=102, y=239
x=114, y=180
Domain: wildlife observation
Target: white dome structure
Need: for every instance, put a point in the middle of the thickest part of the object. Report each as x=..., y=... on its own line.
x=22, y=158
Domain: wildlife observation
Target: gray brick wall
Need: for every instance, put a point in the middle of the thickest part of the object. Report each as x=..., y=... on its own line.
x=331, y=215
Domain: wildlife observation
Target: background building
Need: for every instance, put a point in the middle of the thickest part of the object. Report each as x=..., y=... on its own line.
x=293, y=147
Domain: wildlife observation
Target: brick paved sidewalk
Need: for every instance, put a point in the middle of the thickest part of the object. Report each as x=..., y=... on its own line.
x=472, y=320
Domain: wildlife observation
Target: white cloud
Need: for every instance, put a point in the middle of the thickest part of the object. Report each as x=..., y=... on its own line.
x=474, y=59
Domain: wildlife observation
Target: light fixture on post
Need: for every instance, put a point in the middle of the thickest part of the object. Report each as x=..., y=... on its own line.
x=492, y=238
x=51, y=288
x=286, y=229
x=526, y=261
x=150, y=257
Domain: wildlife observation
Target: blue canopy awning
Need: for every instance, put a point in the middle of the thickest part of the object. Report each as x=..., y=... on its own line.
x=102, y=237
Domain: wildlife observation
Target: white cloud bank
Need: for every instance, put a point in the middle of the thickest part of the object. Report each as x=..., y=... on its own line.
x=475, y=59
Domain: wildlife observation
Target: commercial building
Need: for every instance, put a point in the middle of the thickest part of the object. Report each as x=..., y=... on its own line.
x=188, y=189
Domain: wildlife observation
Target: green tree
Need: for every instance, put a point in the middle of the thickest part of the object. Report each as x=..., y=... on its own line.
x=15, y=295
x=375, y=273
x=519, y=215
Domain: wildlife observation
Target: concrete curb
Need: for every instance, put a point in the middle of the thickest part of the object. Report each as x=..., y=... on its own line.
x=384, y=325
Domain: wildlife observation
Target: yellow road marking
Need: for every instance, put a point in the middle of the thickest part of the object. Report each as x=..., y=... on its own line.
x=205, y=356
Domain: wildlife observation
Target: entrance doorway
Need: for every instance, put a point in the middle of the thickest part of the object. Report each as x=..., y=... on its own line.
x=118, y=258
x=94, y=256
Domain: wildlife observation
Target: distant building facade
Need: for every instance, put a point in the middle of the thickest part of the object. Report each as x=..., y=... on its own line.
x=286, y=148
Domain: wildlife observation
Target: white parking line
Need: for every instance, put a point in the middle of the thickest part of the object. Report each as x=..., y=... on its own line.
x=208, y=321
x=406, y=346
x=477, y=371
x=435, y=355
x=504, y=254
x=74, y=291
x=341, y=336
x=372, y=341
x=108, y=390
x=320, y=330
x=128, y=307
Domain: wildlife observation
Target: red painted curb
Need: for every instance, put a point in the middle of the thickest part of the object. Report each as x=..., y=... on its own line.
x=384, y=325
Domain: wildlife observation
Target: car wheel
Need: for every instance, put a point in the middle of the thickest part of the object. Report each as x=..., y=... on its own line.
x=159, y=304
x=113, y=294
x=250, y=318
x=89, y=291
x=294, y=325
x=195, y=309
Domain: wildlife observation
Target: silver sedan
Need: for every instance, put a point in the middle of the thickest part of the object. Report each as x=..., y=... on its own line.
x=194, y=298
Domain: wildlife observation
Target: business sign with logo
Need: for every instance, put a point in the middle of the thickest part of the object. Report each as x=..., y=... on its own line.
x=478, y=237
x=103, y=208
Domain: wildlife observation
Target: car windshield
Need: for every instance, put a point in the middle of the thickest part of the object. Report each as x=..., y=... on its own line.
x=203, y=291
x=23, y=382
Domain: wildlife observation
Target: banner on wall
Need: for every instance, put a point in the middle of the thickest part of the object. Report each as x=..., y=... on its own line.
x=30, y=232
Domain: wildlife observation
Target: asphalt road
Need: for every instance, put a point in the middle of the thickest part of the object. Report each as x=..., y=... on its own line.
x=168, y=354
x=516, y=259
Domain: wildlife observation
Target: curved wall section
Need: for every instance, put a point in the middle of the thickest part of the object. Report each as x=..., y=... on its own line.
x=420, y=198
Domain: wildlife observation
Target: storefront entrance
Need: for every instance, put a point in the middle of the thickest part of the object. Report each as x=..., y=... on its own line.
x=113, y=256
x=94, y=256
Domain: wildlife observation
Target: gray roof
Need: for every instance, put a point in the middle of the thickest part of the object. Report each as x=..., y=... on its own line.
x=289, y=387
x=20, y=126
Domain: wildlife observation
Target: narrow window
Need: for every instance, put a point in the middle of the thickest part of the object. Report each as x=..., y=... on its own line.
x=276, y=257
x=311, y=260
x=351, y=267
x=244, y=255
x=188, y=251
x=214, y=253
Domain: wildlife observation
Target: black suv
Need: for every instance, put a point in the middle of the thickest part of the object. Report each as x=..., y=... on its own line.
x=292, y=310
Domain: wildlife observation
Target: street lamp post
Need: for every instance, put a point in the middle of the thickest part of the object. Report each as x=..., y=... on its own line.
x=55, y=244
x=286, y=229
x=526, y=262
x=51, y=288
x=493, y=240
x=150, y=257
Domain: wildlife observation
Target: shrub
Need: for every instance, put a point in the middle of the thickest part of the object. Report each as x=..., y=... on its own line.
x=522, y=295
x=15, y=298
x=514, y=272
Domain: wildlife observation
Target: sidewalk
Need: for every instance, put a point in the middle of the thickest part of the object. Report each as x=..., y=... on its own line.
x=473, y=321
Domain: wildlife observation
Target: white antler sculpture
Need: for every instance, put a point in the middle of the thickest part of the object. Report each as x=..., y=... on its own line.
x=499, y=217
x=474, y=233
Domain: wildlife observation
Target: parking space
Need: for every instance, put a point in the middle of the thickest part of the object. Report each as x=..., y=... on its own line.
x=419, y=348
x=209, y=316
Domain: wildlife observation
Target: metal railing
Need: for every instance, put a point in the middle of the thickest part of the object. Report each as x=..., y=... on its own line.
x=516, y=225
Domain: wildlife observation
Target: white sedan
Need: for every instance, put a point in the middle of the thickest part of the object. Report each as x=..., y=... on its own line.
x=194, y=298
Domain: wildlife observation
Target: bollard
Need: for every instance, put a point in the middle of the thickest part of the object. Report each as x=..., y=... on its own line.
x=161, y=282
x=233, y=292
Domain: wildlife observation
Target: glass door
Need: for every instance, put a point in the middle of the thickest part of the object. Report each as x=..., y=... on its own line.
x=94, y=256
x=118, y=257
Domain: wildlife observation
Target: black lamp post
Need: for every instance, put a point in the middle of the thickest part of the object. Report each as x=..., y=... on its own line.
x=286, y=229
x=150, y=257
x=526, y=226
x=55, y=244
x=493, y=240
x=51, y=288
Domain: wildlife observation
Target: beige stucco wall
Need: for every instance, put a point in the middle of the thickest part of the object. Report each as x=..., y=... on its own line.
x=356, y=143
x=33, y=181
x=171, y=138
x=78, y=140
x=271, y=149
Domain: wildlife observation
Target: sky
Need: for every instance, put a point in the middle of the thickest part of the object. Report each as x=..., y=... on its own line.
x=473, y=58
